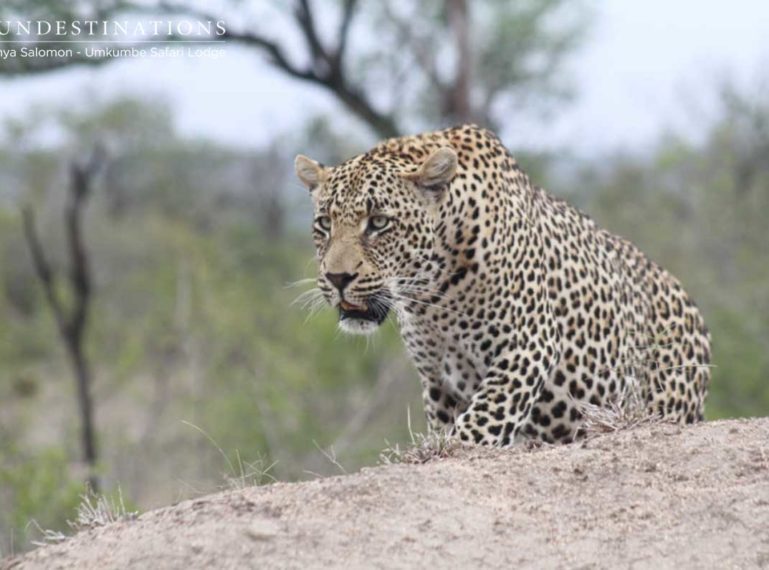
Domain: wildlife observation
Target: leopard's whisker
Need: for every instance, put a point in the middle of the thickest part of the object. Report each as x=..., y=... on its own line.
x=300, y=283
x=308, y=297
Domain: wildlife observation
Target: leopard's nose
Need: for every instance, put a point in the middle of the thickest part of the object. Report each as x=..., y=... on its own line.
x=341, y=280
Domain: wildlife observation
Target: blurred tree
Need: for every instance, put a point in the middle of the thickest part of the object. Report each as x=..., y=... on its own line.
x=455, y=61
x=73, y=322
x=151, y=167
x=389, y=63
x=191, y=320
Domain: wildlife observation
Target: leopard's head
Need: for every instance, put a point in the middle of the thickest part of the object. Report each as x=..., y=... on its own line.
x=374, y=229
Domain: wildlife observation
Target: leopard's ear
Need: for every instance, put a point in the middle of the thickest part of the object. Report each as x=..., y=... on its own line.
x=434, y=174
x=310, y=172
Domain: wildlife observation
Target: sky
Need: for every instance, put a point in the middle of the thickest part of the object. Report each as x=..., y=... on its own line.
x=647, y=66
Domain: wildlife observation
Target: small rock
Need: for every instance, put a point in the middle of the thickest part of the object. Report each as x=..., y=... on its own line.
x=262, y=530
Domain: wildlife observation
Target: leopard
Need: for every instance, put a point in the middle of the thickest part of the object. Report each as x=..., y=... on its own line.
x=518, y=311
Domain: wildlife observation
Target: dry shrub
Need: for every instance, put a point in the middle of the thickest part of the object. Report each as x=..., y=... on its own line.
x=94, y=510
x=626, y=411
x=423, y=448
x=99, y=510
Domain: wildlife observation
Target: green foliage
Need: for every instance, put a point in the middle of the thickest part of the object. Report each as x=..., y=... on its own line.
x=37, y=491
x=192, y=322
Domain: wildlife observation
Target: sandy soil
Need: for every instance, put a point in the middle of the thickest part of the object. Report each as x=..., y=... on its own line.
x=658, y=496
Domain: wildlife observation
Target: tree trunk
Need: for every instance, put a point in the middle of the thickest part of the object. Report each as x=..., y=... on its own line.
x=85, y=406
x=458, y=99
x=73, y=322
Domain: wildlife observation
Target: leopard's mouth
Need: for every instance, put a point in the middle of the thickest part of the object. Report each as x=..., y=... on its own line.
x=373, y=311
x=349, y=307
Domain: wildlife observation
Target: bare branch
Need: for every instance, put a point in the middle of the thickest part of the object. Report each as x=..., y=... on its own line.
x=79, y=271
x=325, y=73
x=43, y=270
x=275, y=54
x=81, y=184
x=306, y=20
x=324, y=67
x=348, y=12
x=72, y=323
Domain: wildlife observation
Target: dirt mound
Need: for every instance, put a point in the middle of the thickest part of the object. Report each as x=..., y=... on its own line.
x=660, y=496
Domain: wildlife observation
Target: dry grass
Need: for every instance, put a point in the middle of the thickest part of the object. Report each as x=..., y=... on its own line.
x=423, y=448
x=241, y=474
x=94, y=510
x=99, y=510
x=330, y=454
x=47, y=536
x=249, y=473
x=628, y=410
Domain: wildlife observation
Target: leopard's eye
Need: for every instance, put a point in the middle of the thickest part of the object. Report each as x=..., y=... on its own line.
x=323, y=222
x=378, y=223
